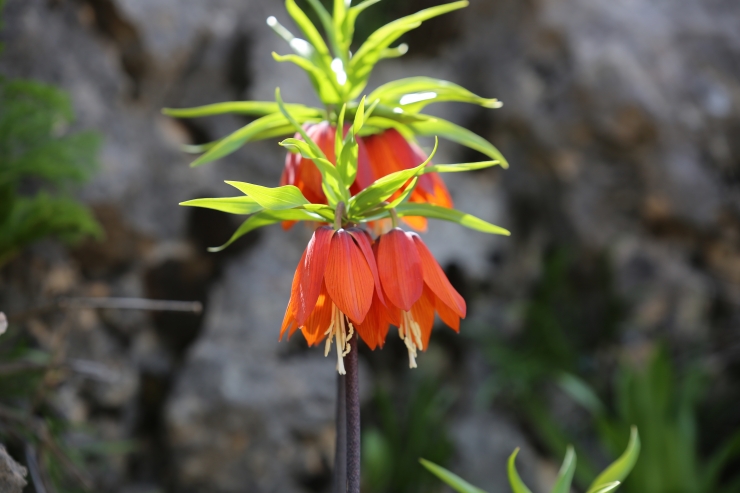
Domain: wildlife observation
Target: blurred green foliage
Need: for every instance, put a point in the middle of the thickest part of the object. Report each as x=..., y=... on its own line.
x=416, y=428
x=38, y=158
x=608, y=480
x=571, y=319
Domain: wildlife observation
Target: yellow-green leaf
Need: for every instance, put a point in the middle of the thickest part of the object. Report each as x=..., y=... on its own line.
x=452, y=480
x=266, y=218
x=452, y=215
x=232, y=205
x=621, y=467
x=517, y=485
x=274, y=199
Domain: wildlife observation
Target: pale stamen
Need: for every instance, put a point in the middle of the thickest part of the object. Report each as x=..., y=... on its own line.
x=410, y=332
x=338, y=330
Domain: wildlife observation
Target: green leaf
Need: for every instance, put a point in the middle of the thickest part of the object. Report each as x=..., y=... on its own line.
x=266, y=218
x=371, y=50
x=347, y=29
x=517, y=485
x=274, y=199
x=414, y=93
x=452, y=215
x=232, y=205
x=339, y=136
x=270, y=125
x=252, y=108
x=404, y=195
x=323, y=84
x=331, y=182
x=620, y=468
x=347, y=161
x=384, y=187
x=606, y=488
x=580, y=392
x=312, y=34
x=452, y=480
x=359, y=117
x=456, y=133
x=565, y=476
x=456, y=168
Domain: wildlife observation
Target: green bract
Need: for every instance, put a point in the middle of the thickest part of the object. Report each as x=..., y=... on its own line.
x=607, y=481
x=340, y=77
x=287, y=203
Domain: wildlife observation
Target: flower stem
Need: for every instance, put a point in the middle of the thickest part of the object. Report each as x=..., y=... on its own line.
x=339, y=215
x=352, y=380
x=340, y=456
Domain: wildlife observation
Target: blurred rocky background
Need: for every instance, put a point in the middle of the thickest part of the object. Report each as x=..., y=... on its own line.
x=621, y=122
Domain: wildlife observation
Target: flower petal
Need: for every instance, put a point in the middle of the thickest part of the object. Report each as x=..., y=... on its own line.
x=400, y=270
x=435, y=278
x=423, y=313
x=320, y=319
x=349, y=279
x=365, y=242
x=313, y=267
x=447, y=314
x=374, y=328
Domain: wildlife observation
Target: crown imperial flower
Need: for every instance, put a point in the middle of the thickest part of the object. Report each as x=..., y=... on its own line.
x=416, y=286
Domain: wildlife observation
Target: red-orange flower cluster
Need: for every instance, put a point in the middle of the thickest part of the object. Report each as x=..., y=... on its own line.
x=345, y=284
x=378, y=156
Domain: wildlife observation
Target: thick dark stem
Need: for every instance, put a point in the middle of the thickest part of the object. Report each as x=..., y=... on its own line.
x=353, y=418
x=340, y=456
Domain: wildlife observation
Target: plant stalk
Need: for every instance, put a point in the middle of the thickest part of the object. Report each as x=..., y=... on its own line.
x=352, y=380
x=340, y=456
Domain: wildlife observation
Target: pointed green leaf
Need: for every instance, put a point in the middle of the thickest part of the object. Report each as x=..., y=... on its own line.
x=312, y=34
x=517, y=485
x=371, y=50
x=266, y=218
x=450, y=479
x=608, y=487
x=456, y=168
x=232, y=205
x=273, y=199
x=414, y=93
x=339, y=136
x=348, y=25
x=565, y=476
x=359, y=117
x=621, y=467
x=445, y=214
x=347, y=161
x=382, y=188
x=252, y=108
x=324, y=86
x=456, y=133
x=270, y=125
x=404, y=195
x=331, y=181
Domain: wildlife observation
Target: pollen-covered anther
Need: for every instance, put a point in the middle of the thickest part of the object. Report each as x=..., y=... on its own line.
x=338, y=330
x=410, y=332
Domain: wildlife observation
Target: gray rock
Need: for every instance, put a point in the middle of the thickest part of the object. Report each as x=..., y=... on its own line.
x=12, y=474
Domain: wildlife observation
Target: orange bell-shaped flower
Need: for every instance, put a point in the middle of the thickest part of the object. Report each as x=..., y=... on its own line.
x=389, y=152
x=333, y=290
x=415, y=287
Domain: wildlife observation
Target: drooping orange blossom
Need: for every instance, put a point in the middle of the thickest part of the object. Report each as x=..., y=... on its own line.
x=378, y=156
x=345, y=283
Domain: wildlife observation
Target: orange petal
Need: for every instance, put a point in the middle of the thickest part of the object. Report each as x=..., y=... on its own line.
x=364, y=241
x=419, y=223
x=349, y=279
x=447, y=314
x=320, y=319
x=313, y=266
x=435, y=278
x=423, y=313
x=400, y=270
x=374, y=328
